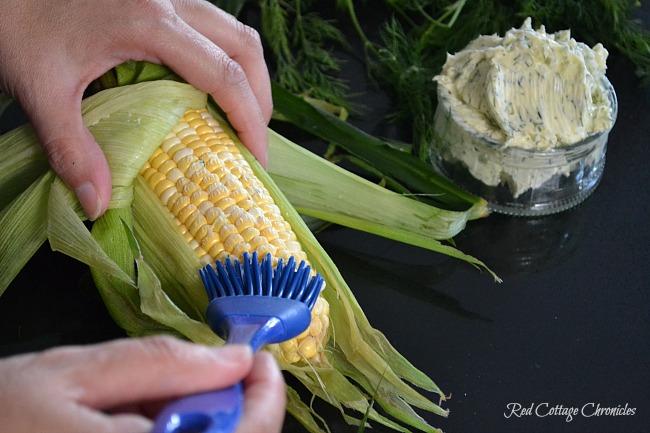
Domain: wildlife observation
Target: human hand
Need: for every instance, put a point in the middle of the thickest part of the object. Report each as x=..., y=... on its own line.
x=51, y=51
x=118, y=386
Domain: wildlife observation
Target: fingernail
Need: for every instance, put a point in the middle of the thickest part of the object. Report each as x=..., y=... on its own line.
x=89, y=199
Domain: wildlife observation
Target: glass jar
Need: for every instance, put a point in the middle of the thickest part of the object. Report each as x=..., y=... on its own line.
x=518, y=181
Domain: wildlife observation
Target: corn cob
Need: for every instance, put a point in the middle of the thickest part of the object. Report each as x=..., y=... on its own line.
x=223, y=210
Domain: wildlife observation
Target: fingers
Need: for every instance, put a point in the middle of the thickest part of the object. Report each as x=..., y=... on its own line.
x=229, y=87
x=156, y=368
x=206, y=46
x=224, y=58
x=264, y=397
x=71, y=149
x=69, y=389
x=238, y=41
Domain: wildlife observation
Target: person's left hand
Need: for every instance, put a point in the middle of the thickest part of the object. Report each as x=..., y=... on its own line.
x=51, y=51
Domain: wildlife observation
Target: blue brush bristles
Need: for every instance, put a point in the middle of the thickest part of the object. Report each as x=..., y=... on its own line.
x=250, y=277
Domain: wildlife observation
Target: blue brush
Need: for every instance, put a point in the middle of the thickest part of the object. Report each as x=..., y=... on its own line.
x=250, y=303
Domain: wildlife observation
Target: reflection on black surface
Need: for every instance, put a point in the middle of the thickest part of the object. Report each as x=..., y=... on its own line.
x=414, y=281
x=512, y=246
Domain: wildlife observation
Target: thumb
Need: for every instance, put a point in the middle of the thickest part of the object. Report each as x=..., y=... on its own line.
x=72, y=151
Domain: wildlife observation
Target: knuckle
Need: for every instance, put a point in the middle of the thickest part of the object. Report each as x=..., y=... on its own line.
x=233, y=74
x=249, y=38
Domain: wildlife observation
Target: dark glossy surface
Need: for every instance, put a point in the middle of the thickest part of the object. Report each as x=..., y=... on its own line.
x=568, y=326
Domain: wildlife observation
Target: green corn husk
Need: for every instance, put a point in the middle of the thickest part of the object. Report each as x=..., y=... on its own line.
x=148, y=275
x=320, y=189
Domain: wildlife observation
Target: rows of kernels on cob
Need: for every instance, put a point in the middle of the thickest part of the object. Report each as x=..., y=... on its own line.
x=223, y=210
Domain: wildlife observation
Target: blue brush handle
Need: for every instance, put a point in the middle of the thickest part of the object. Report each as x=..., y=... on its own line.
x=208, y=412
x=219, y=411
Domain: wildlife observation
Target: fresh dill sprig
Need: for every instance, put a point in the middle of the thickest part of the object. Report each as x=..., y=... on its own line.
x=404, y=70
x=412, y=42
x=301, y=43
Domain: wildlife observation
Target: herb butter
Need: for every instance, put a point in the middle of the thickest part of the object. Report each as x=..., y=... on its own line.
x=530, y=92
x=529, y=88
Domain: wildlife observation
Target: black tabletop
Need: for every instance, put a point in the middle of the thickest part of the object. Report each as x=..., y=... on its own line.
x=568, y=328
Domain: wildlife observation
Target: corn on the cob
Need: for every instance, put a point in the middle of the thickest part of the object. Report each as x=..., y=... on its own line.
x=223, y=210
x=147, y=276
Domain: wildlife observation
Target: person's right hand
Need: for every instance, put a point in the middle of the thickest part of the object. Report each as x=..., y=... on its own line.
x=52, y=50
x=117, y=387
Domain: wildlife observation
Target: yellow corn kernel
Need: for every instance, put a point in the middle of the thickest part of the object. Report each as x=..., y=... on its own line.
x=169, y=142
x=308, y=347
x=263, y=249
x=250, y=233
x=227, y=230
x=217, y=250
x=185, y=162
x=153, y=176
x=181, y=152
x=208, y=180
x=190, y=140
x=212, y=163
x=196, y=226
x=163, y=185
x=174, y=174
x=216, y=191
x=210, y=239
x=167, y=166
x=199, y=174
x=201, y=148
x=157, y=160
x=225, y=203
x=198, y=197
x=212, y=213
x=233, y=240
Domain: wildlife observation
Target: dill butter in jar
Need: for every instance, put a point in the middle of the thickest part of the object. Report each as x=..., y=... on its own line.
x=523, y=120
